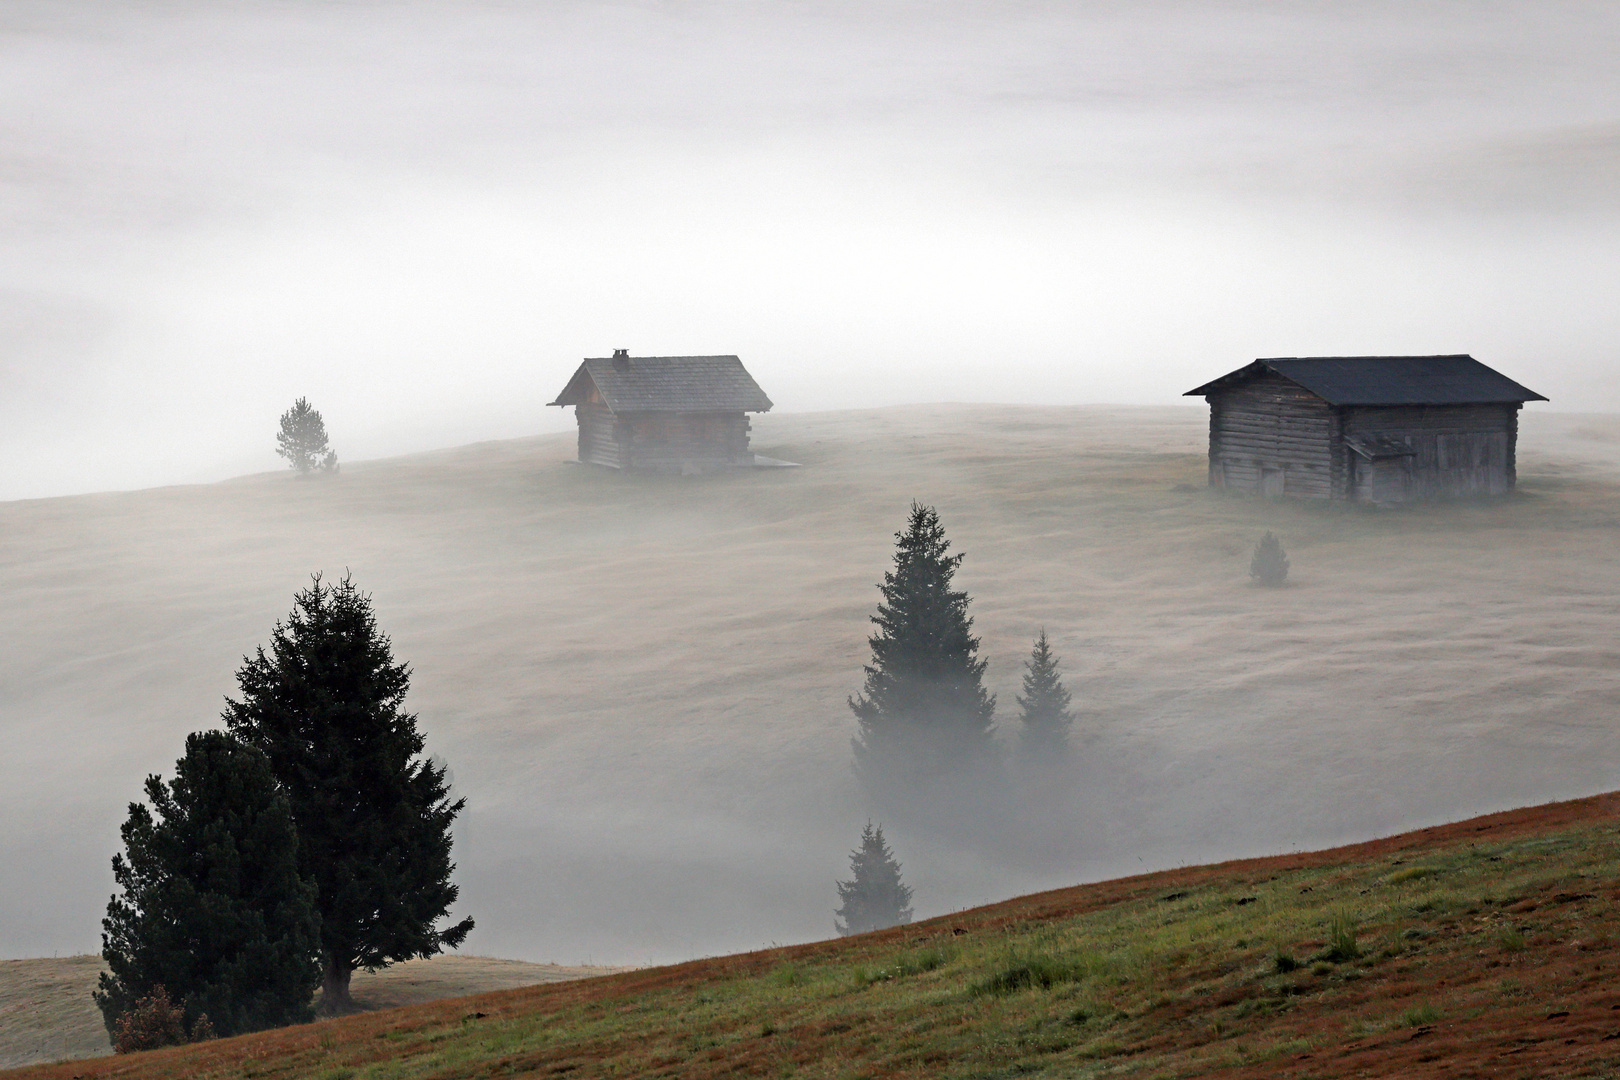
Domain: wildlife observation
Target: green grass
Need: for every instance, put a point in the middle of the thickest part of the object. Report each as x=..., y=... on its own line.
x=1033, y=972
x=1420, y=1015
x=1164, y=975
x=917, y=963
x=1341, y=944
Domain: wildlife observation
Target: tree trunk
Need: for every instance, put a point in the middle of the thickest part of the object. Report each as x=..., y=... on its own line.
x=335, y=999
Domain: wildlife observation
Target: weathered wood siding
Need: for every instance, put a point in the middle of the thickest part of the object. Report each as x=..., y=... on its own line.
x=1275, y=437
x=674, y=442
x=598, y=435
x=687, y=441
x=1458, y=450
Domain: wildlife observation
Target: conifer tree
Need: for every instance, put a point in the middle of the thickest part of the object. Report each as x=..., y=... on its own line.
x=1269, y=566
x=213, y=907
x=873, y=898
x=326, y=705
x=1044, y=704
x=923, y=709
x=302, y=439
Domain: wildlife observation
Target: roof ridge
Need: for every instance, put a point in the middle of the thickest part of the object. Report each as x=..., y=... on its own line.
x=717, y=382
x=1433, y=379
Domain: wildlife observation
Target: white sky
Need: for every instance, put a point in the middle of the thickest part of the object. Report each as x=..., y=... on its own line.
x=421, y=215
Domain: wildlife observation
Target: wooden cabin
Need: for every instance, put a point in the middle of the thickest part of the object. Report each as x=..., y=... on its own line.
x=684, y=414
x=1372, y=429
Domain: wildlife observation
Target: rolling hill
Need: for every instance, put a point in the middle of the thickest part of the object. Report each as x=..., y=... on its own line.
x=639, y=682
x=1482, y=948
x=46, y=1013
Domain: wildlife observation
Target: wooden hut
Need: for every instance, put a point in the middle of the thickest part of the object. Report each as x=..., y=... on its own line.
x=665, y=413
x=1377, y=429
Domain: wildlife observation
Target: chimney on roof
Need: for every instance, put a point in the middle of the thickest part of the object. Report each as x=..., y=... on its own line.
x=621, y=359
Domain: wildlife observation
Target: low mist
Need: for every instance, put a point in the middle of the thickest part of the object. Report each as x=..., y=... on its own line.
x=421, y=215
x=640, y=683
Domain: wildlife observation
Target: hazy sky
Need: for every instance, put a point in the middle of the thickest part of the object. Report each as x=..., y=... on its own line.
x=421, y=215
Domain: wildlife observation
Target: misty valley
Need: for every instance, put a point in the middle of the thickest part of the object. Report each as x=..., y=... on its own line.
x=640, y=683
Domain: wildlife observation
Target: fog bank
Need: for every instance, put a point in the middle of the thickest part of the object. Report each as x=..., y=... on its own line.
x=421, y=215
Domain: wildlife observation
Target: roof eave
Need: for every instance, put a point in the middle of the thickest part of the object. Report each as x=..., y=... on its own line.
x=572, y=393
x=1255, y=368
x=1243, y=374
x=1434, y=404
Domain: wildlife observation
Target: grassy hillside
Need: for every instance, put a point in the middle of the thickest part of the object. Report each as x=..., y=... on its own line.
x=1483, y=948
x=640, y=682
x=46, y=1013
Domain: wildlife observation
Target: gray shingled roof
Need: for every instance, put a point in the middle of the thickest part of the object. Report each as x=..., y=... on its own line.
x=1385, y=380
x=668, y=384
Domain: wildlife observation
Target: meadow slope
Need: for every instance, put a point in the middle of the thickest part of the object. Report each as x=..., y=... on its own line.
x=46, y=1013
x=639, y=682
x=1484, y=948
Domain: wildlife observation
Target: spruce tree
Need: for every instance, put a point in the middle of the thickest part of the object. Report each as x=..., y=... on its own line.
x=923, y=709
x=874, y=898
x=302, y=439
x=1044, y=704
x=213, y=907
x=1269, y=566
x=326, y=705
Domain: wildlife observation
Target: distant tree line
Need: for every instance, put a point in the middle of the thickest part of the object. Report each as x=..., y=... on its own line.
x=306, y=840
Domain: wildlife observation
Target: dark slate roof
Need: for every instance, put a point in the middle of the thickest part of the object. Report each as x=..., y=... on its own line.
x=1385, y=380
x=668, y=384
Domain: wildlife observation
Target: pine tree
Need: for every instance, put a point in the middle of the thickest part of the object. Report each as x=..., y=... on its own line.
x=873, y=898
x=326, y=706
x=1269, y=565
x=213, y=907
x=302, y=439
x=1044, y=704
x=923, y=709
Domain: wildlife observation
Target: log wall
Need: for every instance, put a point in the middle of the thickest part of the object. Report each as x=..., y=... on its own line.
x=1458, y=450
x=1275, y=437
x=598, y=435
x=665, y=442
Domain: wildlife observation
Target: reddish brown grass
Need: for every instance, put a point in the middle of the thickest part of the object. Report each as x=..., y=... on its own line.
x=1551, y=1008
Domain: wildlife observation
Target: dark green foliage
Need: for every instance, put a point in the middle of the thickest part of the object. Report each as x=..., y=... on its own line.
x=917, y=963
x=1044, y=705
x=1031, y=973
x=213, y=906
x=156, y=1021
x=1269, y=565
x=874, y=897
x=923, y=709
x=1284, y=962
x=302, y=439
x=1341, y=943
x=326, y=706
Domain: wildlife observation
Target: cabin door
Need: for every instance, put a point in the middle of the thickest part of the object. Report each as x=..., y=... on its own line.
x=1271, y=480
x=1381, y=480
